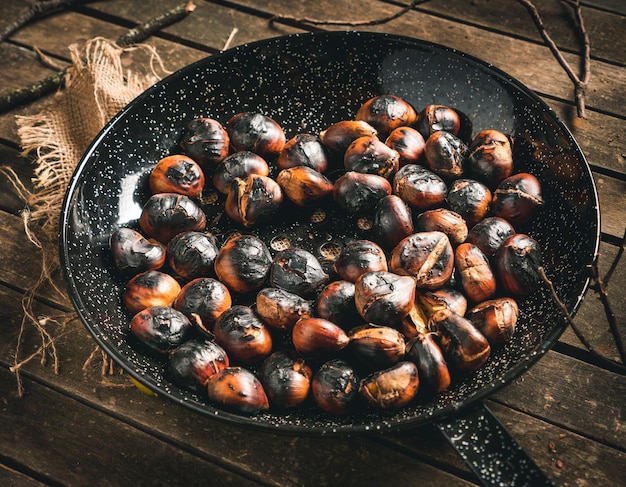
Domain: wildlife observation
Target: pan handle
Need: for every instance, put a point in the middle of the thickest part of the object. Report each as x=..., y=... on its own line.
x=490, y=451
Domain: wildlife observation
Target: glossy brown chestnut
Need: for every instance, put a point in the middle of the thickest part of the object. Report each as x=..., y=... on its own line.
x=203, y=300
x=177, y=174
x=341, y=134
x=257, y=133
x=384, y=298
x=150, y=288
x=239, y=389
x=238, y=165
x=391, y=388
x=253, y=200
x=335, y=303
x=517, y=198
x=335, y=386
x=286, y=380
x=434, y=374
x=317, y=337
x=489, y=234
x=133, y=253
x=304, y=150
x=356, y=192
x=415, y=323
x=490, y=157
x=305, y=186
x=464, y=347
x=371, y=156
x=165, y=215
x=433, y=118
x=495, y=318
x=161, y=328
x=243, y=335
x=243, y=263
x=445, y=298
x=443, y=220
x=475, y=273
x=191, y=364
x=358, y=257
x=206, y=141
x=426, y=256
x=392, y=221
x=298, y=271
x=281, y=309
x=376, y=347
x=420, y=188
x=408, y=143
x=469, y=198
x=445, y=155
x=192, y=254
x=517, y=263
x=386, y=112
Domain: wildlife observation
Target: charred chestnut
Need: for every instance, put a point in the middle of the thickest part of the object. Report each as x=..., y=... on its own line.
x=160, y=328
x=490, y=157
x=335, y=386
x=477, y=279
x=298, y=271
x=239, y=389
x=434, y=374
x=243, y=335
x=445, y=155
x=392, y=221
x=443, y=220
x=335, y=303
x=257, y=133
x=408, y=143
x=386, y=112
x=165, y=215
x=469, y=198
x=358, y=257
x=419, y=188
x=150, y=288
x=384, y=298
x=376, y=347
x=517, y=264
x=203, y=300
x=206, y=141
x=281, y=309
x=433, y=118
x=192, y=254
x=177, y=174
x=517, y=198
x=238, y=165
x=391, y=388
x=304, y=150
x=445, y=298
x=371, y=156
x=341, y=134
x=133, y=253
x=489, y=234
x=243, y=263
x=191, y=364
x=253, y=200
x=357, y=192
x=304, y=186
x=495, y=318
x=317, y=337
x=286, y=380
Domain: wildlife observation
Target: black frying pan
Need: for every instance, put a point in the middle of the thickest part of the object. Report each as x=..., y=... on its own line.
x=306, y=82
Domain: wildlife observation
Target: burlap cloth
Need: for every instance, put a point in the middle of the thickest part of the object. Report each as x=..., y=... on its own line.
x=102, y=79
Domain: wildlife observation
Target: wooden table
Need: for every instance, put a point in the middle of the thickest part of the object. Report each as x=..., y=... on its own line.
x=82, y=427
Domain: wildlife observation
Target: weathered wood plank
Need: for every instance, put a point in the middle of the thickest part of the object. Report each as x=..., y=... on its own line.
x=9, y=477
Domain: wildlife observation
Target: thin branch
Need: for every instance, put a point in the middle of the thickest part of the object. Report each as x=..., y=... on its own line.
x=36, y=10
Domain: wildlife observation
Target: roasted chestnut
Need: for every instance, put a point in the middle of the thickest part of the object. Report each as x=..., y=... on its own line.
x=257, y=133
x=477, y=279
x=298, y=271
x=335, y=386
x=517, y=263
x=253, y=200
x=391, y=388
x=341, y=134
x=165, y=215
x=304, y=150
x=386, y=112
x=384, y=298
x=239, y=389
x=445, y=155
x=392, y=221
x=305, y=186
x=408, y=143
x=371, y=156
x=490, y=157
x=150, y=288
x=238, y=165
x=426, y=256
x=444, y=298
x=356, y=192
x=433, y=370
x=495, y=318
x=243, y=263
x=358, y=257
x=415, y=323
x=335, y=303
x=376, y=347
x=443, y=220
x=161, y=328
x=419, y=188
x=489, y=234
x=517, y=198
x=203, y=300
x=243, y=335
x=177, y=174
x=281, y=309
x=469, y=198
x=192, y=363
x=134, y=253
x=433, y=118
x=286, y=380
x=317, y=337
x=206, y=141
x=192, y=254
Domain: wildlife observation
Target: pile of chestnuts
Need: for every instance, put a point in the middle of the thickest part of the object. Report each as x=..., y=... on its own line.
x=400, y=314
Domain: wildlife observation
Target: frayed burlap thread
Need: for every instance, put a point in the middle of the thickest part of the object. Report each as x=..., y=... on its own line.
x=97, y=86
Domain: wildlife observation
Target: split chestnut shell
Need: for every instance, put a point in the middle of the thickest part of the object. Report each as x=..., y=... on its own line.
x=391, y=388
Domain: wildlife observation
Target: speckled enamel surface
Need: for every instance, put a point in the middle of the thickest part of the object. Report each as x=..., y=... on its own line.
x=307, y=82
